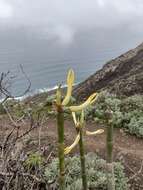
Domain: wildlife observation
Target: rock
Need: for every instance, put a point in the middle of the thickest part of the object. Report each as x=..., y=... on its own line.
x=122, y=76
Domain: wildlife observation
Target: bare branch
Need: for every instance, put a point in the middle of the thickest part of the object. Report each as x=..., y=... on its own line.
x=137, y=173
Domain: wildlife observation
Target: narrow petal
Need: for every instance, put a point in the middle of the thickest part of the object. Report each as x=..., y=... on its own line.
x=70, y=82
x=94, y=99
x=100, y=131
x=88, y=102
x=69, y=148
x=74, y=118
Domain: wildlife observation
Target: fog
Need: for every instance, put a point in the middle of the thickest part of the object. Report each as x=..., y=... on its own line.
x=50, y=36
x=63, y=19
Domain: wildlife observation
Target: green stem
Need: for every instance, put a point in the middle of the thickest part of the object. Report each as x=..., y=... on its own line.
x=60, y=126
x=110, y=166
x=82, y=159
x=110, y=143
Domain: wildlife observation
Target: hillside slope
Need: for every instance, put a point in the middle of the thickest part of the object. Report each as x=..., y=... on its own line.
x=123, y=76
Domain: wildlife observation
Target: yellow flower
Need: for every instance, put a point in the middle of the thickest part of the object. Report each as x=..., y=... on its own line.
x=100, y=131
x=78, y=121
x=74, y=118
x=88, y=102
x=69, y=148
x=70, y=82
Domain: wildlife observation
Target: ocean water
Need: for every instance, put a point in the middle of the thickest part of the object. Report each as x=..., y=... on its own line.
x=46, y=61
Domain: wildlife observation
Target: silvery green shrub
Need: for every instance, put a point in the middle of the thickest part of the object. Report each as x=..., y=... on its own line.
x=135, y=126
x=96, y=173
x=127, y=112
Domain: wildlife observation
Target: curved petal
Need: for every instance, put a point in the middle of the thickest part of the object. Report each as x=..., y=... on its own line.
x=74, y=118
x=69, y=148
x=88, y=102
x=70, y=82
x=100, y=131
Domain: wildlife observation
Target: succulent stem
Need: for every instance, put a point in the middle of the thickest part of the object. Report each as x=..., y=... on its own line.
x=110, y=165
x=60, y=129
x=110, y=143
x=82, y=159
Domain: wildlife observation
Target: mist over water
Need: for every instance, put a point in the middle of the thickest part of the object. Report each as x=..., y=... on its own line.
x=46, y=61
x=48, y=37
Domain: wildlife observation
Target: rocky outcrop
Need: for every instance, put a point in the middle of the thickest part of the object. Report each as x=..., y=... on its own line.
x=123, y=76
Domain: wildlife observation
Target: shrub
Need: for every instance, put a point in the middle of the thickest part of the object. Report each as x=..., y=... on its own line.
x=127, y=112
x=132, y=103
x=135, y=126
x=34, y=160
x=132, y=108
x=96, y=173
x=104, y=101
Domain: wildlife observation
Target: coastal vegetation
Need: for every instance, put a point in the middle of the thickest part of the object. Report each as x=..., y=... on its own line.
x=127, y=112
x=31, y=160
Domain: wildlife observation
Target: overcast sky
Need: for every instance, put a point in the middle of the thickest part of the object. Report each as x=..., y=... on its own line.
x=64, y=18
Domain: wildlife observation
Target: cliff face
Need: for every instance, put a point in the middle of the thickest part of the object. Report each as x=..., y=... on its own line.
x=123, y=76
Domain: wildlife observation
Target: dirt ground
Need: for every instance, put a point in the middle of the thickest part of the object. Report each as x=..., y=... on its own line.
x=127, y=149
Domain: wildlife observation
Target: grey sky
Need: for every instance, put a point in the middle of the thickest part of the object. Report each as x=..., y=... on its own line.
x=64, y=18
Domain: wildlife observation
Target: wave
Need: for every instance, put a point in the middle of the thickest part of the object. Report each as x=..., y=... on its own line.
x=36, y=92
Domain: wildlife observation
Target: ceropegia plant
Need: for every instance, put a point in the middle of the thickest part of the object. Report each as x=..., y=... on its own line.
x=79, y=125
x=109, y=146
x=62, y=105
x=60, y=125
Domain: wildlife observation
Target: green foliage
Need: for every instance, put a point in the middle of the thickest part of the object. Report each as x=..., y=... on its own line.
x=132, y=103
x=34, y=160
x=96, y=173
x=135, y=126
x=127, y=112
x=104, y=101
x=132, y=114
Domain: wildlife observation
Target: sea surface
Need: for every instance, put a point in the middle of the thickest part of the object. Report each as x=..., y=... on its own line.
x=46, y=61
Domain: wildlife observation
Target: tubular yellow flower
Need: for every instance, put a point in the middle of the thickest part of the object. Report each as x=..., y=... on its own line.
x=92, y=102
x=78, y=122
x=70, y=82
x=88, y=102
x=100, y=131
x=69, y=148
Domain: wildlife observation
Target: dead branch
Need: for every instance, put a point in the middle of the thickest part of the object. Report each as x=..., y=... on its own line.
x=22, y=174
x=137, y=173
